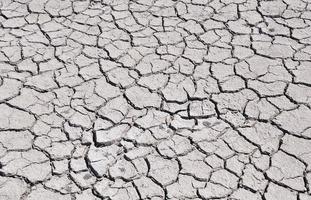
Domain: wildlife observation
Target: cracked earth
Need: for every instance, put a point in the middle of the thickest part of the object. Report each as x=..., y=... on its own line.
x=155, y=99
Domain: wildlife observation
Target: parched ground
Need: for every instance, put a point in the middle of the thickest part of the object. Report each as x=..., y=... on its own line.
x=155, y=99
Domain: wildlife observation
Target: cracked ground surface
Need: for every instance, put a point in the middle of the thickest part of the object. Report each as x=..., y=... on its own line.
x=155, y=99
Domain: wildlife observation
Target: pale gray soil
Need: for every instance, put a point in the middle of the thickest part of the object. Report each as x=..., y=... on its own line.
x=155, y=99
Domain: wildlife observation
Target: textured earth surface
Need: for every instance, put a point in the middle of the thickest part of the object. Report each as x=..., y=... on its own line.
x=155, y=99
